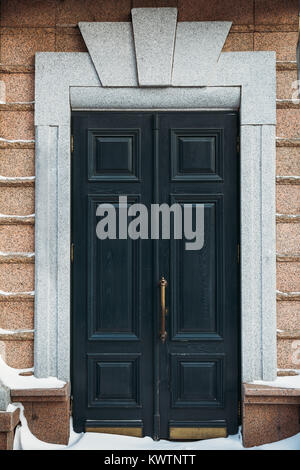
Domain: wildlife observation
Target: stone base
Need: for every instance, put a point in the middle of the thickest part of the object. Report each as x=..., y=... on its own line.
x=269, y=414
x=8, y=423
x=47, y=412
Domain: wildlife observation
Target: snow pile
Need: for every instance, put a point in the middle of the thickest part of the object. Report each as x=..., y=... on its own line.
x=11, y=378
x=25, y=440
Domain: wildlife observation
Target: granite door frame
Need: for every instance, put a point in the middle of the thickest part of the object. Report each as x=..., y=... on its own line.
x=70, y=81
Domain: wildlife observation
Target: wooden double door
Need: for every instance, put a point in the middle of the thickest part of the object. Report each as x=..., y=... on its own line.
x=126, y=378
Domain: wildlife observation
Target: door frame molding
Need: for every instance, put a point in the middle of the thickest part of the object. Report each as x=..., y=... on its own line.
x=70, y=81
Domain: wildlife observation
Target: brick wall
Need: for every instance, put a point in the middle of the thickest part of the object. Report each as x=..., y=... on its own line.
x=27, y=26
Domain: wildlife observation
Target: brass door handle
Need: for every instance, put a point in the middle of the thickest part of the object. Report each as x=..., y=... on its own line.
x=163, y=284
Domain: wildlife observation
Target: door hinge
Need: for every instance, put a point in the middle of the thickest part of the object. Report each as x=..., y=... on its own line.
x=72, y=144
x=239, y=409
x=238, y=144
x=238, y=253
x=72, y=252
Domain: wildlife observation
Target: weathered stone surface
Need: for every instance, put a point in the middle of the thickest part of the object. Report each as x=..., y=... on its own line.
x=112, y=51
x=197, y=49
x=154, y=35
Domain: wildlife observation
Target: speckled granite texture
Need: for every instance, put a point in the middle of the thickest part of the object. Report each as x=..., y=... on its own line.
x=27, y=27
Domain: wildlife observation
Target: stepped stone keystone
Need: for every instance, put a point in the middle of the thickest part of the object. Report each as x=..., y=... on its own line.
x=154, y=35
x=198, y=46
x=112, y=51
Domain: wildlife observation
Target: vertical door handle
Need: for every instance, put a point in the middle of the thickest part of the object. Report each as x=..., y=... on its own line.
x=163, y=284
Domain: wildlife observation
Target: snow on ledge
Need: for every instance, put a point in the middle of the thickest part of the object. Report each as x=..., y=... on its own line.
x=10, y=378
x=14, y=332
x=292, y=381
x=16, y=293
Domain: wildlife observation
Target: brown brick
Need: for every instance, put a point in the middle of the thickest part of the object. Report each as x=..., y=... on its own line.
x=288, y=236
x=68, y=40
x=285, y=79
x=276, y=11
x=18, y=354
x=154, y=3
x=16, y=238
x=239, y=42
x=288, y=199
x=16, y=315
x=19, y=45
x=17, y=201
x=28, y=13
x=288, y=123
x=288, y=161
x=288, y=315
x=18, y=86
x=240, y=12
x=16, y=162
x=288, y=276
x=288, y=354
x=17, y=125
x=283, y=43
x=16, y=277
x=73, y=11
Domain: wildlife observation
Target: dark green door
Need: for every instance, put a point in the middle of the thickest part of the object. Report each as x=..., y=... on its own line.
x=125, y=379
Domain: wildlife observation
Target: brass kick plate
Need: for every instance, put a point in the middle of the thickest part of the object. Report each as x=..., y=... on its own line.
x=135, y=432
x=197, y=433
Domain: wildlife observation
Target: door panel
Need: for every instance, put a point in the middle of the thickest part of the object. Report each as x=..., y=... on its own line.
x=124, y=378
x=112, y=378
x=200, y=357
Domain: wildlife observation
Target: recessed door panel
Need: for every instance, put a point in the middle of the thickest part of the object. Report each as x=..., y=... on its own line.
x=196, y=296
x=114, y=279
